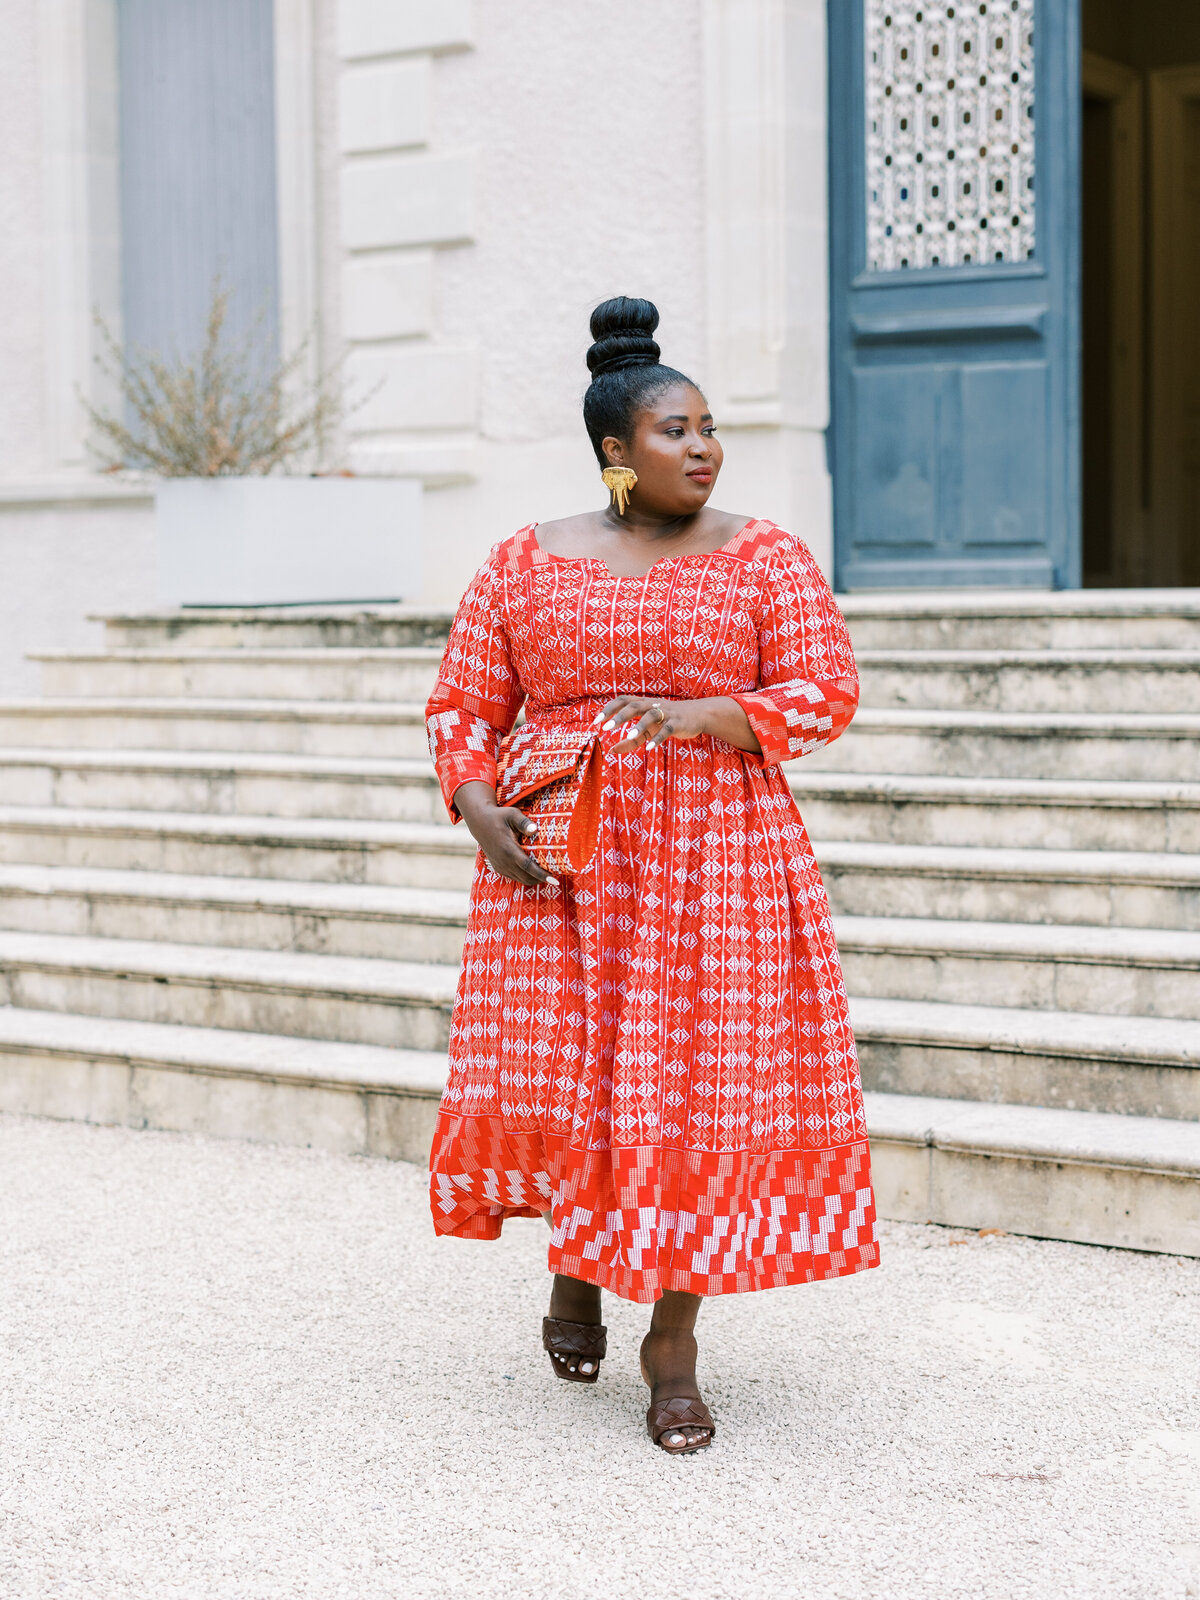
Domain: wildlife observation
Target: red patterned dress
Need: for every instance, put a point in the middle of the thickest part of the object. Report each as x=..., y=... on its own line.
x=658, y=1051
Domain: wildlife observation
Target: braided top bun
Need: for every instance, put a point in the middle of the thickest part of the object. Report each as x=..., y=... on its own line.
x=622, y=330
x=626, y=371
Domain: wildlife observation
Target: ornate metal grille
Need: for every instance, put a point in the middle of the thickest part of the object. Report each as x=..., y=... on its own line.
x=950, y=149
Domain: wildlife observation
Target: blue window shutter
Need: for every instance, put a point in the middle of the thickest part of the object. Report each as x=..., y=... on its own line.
x=198, y=194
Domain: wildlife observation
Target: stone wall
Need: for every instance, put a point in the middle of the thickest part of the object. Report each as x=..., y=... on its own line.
x=460, y=183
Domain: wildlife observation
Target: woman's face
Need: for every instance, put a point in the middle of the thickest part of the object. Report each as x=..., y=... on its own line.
x=674, y=451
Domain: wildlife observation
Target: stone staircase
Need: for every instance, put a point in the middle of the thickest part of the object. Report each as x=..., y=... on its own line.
x=230, y=901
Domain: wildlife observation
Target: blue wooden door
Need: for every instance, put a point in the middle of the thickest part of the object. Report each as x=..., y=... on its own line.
x=954, y=441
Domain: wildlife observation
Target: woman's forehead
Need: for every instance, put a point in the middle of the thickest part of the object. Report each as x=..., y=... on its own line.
x=678, y=400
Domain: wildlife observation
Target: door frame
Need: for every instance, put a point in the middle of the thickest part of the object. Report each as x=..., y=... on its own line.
x=1170, y=88
x=1121, y=87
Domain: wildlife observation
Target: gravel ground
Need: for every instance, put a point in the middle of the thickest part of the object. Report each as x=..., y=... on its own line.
x=234, y=1372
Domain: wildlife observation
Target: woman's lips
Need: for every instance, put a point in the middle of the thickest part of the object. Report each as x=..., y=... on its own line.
x=702, y=475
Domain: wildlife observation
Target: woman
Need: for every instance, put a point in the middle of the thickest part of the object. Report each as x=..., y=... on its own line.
x=655, y=1053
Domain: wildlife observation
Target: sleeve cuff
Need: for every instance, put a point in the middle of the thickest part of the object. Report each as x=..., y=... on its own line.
x=768, y=725
x=466, y=767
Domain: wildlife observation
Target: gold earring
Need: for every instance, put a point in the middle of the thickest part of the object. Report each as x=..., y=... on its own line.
x=620, y=482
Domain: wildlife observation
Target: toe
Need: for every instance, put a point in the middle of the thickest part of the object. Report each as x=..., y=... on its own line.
x=587, y=1366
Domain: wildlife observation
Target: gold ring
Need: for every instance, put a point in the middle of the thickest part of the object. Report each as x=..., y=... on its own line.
x=662, y=715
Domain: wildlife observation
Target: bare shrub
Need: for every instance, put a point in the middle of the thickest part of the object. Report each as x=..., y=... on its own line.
x=225, y=413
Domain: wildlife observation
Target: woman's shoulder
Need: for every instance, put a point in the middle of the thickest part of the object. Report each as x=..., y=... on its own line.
x=518, y=550
x=763, y=541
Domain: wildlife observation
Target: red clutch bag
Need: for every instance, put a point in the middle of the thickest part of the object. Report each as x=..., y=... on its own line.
x=553, y=774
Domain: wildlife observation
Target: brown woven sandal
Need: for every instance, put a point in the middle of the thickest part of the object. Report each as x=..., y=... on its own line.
x=587, y=1340
x=676, y=1416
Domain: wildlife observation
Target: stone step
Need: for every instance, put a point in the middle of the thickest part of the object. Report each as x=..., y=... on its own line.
x=396, y=854
x=405, y=1005
x=1133, y=1182
x=1058, y=814
x=1149, y=972
x=1030, y=813
x=227, y=783
x=1103, y=888
x=347, y=626
x=363, y=919
x=996, y=619
x=299, y=727
x=981, y=680
x=1159, y=747
x=1110, y=1180
x=353, y=1099
x=1078, y=1061
x=339, y=673
x=989, y=619
x=253, y=913
x=1027, y=680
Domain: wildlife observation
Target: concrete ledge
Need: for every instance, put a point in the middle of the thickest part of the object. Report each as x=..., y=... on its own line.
x=366, y=28
x=909, y=788
x=346, y=1098
x=20, y=494
x=1024, y=603
x=389, y=711
x=1133, y=1182
x=1176, y=948
x=1157, y=1041
x=315, y=832
x=1160, y=868
x=1032, y=724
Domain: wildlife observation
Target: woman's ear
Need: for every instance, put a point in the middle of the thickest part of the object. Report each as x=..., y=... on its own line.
x=614, y=452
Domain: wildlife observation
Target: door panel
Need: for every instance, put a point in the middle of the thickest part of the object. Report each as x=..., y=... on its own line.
x=954, y=292
x=898, y=413
x=1004, y=453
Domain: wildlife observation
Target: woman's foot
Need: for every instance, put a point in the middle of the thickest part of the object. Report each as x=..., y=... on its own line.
x=575, y=1350
x=678, y=1420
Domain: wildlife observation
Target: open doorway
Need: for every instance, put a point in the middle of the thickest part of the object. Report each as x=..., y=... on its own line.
x=1141, y=293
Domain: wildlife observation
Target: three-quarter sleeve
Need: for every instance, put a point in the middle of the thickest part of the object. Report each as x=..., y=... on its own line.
x=808, y=685
x=477, y=695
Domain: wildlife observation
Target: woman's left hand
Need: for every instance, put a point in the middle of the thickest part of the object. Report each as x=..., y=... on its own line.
x=655, y=720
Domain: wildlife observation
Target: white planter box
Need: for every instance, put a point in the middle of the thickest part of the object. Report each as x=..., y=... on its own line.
x=288, y=541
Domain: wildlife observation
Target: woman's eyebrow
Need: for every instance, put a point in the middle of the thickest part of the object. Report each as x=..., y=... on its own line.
x=680, y=417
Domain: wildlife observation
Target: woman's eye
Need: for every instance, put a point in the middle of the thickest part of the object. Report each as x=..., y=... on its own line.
x=710, y=430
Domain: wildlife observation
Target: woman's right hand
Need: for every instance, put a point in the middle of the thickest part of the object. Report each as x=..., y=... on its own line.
x=497, y=830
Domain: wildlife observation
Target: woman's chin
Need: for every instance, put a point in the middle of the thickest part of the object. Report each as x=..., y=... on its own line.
x=695, y=495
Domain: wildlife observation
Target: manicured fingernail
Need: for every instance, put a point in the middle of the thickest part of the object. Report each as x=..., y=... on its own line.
x=531, y=827
x=554, y=881
x=597, y=719
x=611, y=723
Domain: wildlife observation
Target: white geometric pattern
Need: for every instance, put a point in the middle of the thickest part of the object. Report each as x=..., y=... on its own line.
x=950, y=135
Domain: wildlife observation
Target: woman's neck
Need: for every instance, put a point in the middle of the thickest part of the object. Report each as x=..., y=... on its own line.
x=647, y=528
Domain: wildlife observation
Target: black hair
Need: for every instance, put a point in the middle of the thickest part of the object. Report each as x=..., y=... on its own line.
x=626, y=372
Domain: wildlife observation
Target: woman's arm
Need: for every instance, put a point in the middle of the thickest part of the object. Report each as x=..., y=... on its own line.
x=495, y=829
x=477, y=695
x=659, y=720
x=473, y=705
